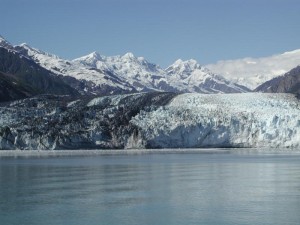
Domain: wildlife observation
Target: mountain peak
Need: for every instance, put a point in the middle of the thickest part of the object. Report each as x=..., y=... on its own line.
x=178, y=62
x=91, y=58
x=128, y=55
x=4, y=43
x=94, y=55
x=25, y=45
x=190, y=64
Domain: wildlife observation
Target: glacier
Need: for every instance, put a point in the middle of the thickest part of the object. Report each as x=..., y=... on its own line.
x=151, y=120
x=228, y=120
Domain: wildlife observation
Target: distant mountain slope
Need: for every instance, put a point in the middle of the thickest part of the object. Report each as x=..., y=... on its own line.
x=11, y=88
x=22, y=77
x=288, y=83
x=189, y=76
x=252, y=72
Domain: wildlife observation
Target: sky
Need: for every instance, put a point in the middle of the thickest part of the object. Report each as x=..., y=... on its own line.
x=159, y=30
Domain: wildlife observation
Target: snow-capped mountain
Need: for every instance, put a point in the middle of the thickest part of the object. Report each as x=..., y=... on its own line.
x=129, y=73
x=252, y=72
x=182, y=76
x=98, y=78
x=137, y=71
x=195, y=78
x=98, y=74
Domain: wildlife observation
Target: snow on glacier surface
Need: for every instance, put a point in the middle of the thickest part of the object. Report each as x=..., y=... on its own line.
x=233, y=120
x=111, y=100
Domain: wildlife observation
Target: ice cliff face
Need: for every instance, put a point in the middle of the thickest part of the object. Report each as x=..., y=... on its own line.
x=231, y=120
x=151, y=120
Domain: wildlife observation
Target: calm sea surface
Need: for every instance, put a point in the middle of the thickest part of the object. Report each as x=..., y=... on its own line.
x=225, y=187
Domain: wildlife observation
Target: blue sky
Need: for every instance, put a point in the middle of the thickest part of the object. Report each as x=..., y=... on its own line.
x=160, y=30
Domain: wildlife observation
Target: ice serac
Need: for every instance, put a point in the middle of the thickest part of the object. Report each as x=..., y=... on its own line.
x=252, y=72
x=151, y=120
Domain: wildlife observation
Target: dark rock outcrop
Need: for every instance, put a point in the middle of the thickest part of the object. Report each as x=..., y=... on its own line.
x=21, y=77
x=11, y=88
x=288, y=83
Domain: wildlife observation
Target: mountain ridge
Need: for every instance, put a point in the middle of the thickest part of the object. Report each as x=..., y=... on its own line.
x=287, y=83
x=127, y=73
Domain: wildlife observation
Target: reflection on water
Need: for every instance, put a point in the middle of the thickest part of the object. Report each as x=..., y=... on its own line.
x=151, y=189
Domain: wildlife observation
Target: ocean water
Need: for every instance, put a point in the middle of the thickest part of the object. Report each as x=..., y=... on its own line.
x=205, y=187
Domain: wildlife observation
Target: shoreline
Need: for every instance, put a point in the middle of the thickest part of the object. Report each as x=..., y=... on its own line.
x=101, y=152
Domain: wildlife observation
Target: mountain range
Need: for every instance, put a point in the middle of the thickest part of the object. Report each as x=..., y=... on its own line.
x=27, y=71
x=95, y=74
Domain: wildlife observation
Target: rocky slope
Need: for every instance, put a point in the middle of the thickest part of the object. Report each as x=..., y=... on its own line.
x=11, y=88
x=288, y=83
x=151, y=120
x=21, y=77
